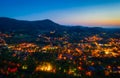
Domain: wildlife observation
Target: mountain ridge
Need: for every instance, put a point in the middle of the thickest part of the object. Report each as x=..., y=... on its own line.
x=46, y=24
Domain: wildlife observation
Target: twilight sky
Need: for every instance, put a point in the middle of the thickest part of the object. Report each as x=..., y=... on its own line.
x=68, y=12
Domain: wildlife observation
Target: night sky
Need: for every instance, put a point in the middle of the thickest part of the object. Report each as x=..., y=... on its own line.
x=68, y=12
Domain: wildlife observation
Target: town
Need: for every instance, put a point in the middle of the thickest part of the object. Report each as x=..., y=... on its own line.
x=88, y=56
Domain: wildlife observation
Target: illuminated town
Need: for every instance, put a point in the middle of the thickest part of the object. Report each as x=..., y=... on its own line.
x=82, y=58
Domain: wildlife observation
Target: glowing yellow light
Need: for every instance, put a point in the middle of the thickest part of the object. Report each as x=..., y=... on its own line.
x=106, y=52
x=49, y=68
x=24, y=67
x=45, y=67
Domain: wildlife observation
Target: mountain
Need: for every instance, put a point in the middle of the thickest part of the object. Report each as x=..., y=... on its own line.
x=7, y=24
x=13, y=24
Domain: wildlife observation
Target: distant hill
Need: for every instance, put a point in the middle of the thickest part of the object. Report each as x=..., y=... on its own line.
x=13, y=24
x=7, y=24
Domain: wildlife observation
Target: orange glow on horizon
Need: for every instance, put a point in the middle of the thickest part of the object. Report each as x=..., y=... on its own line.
x=98, y=23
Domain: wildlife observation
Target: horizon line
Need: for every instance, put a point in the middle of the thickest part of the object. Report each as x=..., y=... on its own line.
x=101, y=26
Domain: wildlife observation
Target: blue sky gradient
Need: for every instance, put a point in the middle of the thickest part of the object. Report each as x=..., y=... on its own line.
x=69, y=12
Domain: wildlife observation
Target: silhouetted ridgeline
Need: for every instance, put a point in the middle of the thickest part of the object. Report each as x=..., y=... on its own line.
x=9, y=24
